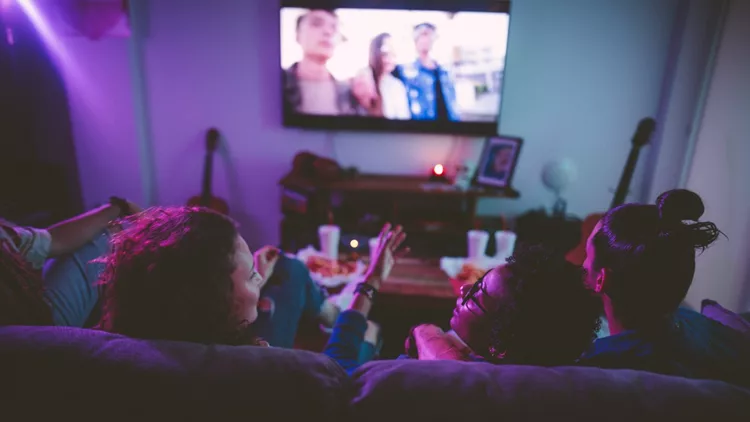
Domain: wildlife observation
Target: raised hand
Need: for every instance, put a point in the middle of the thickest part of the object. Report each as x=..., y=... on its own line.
x=387, y=253
x=265, y=261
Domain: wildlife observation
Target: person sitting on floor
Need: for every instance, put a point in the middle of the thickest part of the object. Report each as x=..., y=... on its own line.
x=186, y=274
x=640, y=259
x=534, y=310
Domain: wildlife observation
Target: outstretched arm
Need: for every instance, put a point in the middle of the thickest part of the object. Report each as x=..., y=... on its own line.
x=349, y=331
x=67, y=236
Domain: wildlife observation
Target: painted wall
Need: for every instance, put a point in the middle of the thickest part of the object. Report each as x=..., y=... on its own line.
x=580, y=74
x=720, y=170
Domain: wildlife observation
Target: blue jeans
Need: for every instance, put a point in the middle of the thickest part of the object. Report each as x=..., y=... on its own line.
x=295, y=296
x=71, y=283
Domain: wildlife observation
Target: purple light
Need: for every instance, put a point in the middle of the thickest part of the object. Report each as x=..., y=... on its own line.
x=9, y=36
x=74, y=75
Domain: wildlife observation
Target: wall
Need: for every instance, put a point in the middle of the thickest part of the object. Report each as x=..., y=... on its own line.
x=720, y=172
x=580, y=74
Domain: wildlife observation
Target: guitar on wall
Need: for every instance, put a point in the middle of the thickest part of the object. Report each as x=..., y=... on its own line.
x=641, y=138
x=206, y=198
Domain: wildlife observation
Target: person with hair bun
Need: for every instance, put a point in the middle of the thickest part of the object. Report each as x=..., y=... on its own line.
x=640, y=259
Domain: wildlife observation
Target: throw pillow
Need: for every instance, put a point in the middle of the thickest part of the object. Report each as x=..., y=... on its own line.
x=711, y=309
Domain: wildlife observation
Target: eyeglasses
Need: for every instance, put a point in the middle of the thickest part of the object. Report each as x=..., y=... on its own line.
x=470, y=295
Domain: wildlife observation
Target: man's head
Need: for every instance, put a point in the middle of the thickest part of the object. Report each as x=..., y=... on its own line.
x=641, y=257
x=533, y=310
x=318, y=33
x=183, y=274
x=425, y=35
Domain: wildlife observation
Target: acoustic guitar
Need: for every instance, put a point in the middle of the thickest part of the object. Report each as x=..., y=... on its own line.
x=641, y=137
x=206, y=198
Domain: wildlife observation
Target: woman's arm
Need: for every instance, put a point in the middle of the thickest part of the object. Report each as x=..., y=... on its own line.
x=67, y=236
x=434, y=344
x=348, y=333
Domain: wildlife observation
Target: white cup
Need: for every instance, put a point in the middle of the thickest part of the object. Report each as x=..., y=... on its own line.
x=476, y=241
x=329, y=236
x=505, y=242
x=373, y=244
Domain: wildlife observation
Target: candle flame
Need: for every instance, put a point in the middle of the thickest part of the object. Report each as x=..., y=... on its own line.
x=354, y=243
x=438, y=169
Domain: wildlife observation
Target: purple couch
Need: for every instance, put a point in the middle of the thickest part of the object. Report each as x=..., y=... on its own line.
x=74, y=374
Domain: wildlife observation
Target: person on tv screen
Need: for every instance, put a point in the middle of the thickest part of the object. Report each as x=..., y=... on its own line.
x=309, y=88
x=499, y=163
x=379, y=92
x=432, y=95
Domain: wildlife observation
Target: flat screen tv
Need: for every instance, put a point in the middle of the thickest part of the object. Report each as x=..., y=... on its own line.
x=410, y=66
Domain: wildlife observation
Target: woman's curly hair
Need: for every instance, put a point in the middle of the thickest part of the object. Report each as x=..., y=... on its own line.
x=549, y=317
x=21, y=300
x=168, y=277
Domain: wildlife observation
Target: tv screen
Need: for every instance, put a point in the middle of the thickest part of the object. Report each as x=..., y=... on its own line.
x=373, y=65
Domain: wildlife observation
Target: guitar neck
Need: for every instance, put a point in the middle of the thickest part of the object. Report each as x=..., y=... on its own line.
x=207, y=176
x=627, y=176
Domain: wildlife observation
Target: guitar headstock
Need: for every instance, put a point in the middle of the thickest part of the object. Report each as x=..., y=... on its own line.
x=212, y=139
x=644, y=131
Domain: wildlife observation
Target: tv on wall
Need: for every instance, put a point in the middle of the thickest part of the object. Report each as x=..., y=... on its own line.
x=412, y=66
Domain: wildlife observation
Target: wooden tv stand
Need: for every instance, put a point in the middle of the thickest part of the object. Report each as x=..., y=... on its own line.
x=435, y=216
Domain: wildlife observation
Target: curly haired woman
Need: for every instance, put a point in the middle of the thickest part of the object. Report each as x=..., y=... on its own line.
x=534, y=310
x=186, y=274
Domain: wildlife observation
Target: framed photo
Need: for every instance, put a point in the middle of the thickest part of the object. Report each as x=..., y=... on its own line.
x=498, y=162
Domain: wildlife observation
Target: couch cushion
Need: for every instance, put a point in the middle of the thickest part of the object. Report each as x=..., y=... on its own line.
x=73, y=373
x=463, y=391
x=716, y=312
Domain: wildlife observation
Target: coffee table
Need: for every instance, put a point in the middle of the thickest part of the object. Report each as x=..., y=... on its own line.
x=418, y=277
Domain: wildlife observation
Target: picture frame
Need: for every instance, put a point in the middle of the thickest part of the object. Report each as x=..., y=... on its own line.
x=497, y=164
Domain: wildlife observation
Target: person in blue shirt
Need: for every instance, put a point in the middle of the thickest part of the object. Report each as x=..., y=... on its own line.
x=640, y=259
x=432, y=94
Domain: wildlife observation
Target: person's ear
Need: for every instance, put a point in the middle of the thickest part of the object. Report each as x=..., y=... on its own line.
x=602, y=277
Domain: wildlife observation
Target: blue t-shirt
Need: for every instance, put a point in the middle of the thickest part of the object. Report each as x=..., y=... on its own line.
x=688, y=345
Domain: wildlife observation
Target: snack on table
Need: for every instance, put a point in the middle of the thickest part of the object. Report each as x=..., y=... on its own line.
x=470, y=273
x=330, y=267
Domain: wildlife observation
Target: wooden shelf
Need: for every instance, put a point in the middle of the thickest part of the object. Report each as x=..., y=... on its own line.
x=436, y=216
x=393, y=184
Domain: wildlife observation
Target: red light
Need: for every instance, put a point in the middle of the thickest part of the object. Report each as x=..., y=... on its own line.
x=438, y=170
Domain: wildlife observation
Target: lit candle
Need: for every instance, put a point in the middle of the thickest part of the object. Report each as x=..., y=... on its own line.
x=438, y=170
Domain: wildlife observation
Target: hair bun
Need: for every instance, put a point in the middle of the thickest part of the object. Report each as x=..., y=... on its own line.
x=678, y=205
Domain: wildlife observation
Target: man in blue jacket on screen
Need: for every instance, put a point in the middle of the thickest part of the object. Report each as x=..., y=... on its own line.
x=432, y=95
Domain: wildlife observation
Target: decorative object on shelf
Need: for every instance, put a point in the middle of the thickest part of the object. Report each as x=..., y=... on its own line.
x=558, y=176
x=309, y=166
x=464, y=175
x=438, y=174
x=498, y=162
